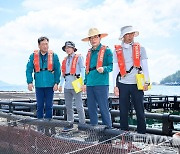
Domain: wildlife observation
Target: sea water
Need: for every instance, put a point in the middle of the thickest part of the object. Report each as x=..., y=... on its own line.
x=164, y=90
x=159, y=90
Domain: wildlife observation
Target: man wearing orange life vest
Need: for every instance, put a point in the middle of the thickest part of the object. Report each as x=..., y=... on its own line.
x=98, y=65
x=72, y=68
x=129, y=59
x=46, y=67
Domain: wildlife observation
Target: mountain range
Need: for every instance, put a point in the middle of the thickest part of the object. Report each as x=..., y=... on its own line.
x=173, y=79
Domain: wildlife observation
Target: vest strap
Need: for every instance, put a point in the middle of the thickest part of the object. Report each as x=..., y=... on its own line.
x=76, y=75
x=45, y=69
x=93, y=68
x=130, y=69
x=119, y=75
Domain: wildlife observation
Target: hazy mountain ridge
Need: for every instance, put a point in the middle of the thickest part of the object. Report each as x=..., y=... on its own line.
x=11, y=87
x=173, y=79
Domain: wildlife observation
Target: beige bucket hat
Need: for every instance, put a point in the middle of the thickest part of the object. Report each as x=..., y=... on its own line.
x=128, y=29
x=93, y=32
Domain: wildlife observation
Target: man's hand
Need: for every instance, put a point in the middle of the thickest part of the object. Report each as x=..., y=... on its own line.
x=30, y=87
x=84, y=88
x=60, y=89
x=100, y=69
x=145, y=88
x=55, y=88
x=116, y=91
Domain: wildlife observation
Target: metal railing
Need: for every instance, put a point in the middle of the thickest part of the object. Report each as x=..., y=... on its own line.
x=27, y=107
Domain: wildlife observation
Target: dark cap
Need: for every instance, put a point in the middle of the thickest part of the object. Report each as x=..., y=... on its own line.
x=69, y=44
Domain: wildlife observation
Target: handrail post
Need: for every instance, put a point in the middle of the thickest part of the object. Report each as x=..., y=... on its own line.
x=167, y=125
x=10, y=107
x=150, y=103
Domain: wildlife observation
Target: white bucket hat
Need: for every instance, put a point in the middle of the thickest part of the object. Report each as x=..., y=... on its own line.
x=93, y=32
x=128, y=29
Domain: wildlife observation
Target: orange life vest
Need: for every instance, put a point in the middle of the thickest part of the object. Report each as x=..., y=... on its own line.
x=73, y=65
x=121, y=61
x=37, y=61
x=99, y=60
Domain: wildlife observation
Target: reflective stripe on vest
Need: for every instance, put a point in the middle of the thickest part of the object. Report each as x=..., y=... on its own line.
x=99, y=60
x=73, y=65
x=37, y=61
x=136, y=55
x=121, y=61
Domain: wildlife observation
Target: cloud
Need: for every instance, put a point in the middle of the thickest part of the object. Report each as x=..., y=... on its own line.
x=70, y=20
x=48, y=4
x=162, y=63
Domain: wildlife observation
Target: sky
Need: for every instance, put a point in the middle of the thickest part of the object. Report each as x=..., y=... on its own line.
x=22, y=22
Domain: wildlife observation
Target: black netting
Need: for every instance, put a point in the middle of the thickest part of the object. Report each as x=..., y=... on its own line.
x=20, y=135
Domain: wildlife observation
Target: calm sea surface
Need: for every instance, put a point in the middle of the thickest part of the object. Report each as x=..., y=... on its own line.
x=164, y=90
x=160, y=90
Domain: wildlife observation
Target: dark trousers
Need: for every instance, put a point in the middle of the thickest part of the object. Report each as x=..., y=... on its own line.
x=98, y=96
x=44, y=97
x=125, y=92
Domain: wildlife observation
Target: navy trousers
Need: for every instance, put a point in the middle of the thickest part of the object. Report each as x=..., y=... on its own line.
x=127, y=91
x=44, y=97
x=98, y=96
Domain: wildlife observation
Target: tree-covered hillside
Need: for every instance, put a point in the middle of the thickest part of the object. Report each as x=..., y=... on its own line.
x=174, y=78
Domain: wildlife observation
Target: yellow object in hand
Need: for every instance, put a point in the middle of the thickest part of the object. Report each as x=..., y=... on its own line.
x=141, y=81
x=77, y=85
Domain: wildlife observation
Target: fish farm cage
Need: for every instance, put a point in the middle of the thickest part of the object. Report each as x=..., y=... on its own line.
x=27, y=135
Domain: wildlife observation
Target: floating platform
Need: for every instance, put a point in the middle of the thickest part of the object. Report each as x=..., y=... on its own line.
x=22, y=135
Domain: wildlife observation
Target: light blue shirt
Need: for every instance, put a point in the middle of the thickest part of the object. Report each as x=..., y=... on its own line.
x=80, y=69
